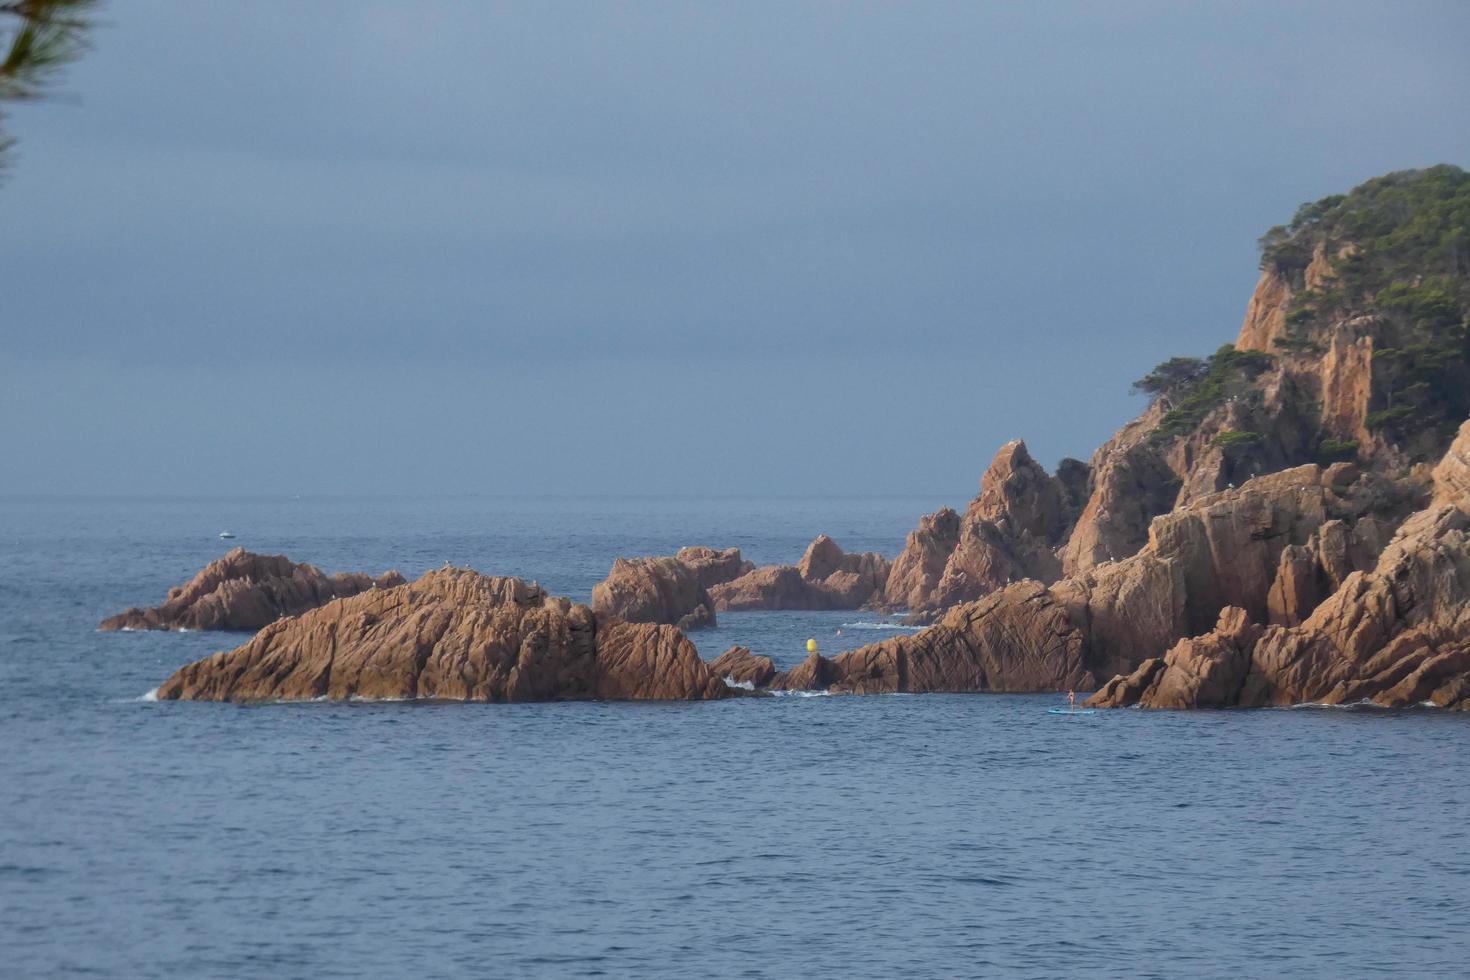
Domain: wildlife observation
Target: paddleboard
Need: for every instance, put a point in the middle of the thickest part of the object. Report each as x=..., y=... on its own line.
x=1071, y=711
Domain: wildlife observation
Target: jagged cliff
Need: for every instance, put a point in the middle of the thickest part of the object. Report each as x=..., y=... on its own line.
x=1353, y=347
x=1267, y=531
x=1288, y=520
x=1396, y=632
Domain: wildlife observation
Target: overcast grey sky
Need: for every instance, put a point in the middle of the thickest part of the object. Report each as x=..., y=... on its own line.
x=774, y=248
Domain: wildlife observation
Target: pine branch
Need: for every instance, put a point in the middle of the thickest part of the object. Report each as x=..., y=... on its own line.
x=43, y=37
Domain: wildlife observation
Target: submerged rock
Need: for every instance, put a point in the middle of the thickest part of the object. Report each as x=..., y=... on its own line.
x=457, y=635
x=245, y=591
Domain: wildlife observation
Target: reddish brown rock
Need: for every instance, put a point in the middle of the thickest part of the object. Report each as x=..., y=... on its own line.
x=245, y=591
x=740, y=666
x=667, y=590
x=1397, y=634
x=1132, y=484
x=1200, y=672
x=648, y=662
x=1222, y=551
x=1010, y=532
x=713, y=567
x=767, y=587
x=826, y=578
x=914, y=577
x=815, y=673
x=655, y=590
x=1017, y=639
x=457, y=635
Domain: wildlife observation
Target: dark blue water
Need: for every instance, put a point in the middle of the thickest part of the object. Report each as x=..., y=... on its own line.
x=816, y=837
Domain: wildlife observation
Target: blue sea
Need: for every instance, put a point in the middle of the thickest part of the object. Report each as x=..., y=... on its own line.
x=912, y=836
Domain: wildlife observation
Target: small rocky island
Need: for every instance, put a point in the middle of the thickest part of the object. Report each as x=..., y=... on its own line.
x=453, y=634
x=1287, y=521
x=245, y=591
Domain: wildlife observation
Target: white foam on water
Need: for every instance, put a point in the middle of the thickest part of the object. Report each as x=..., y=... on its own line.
x=862, y=625
x=150, y=696
x=742, y=685
x=802, y=694
x=1346, y=706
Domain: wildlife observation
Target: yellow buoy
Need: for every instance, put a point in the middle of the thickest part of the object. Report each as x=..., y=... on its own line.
x=811, y=646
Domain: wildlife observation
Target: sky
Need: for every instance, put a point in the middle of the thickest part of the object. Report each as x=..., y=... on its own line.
x=588, y=248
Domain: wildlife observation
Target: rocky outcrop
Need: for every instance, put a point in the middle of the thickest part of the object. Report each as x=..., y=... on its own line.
x=826, y=578
x=1132, y=484
x=1010, y=531
x=650, y=662
x=914, y=578
x=1396, y=634
x=713, y=567
x=245, y=591
x=1223, y=551
x=457, y=635
x=674, y=591
x=739, y=666
x=655, y=590
x=1203, y=671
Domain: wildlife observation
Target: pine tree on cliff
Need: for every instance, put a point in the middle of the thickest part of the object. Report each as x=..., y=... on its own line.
x=37, y=38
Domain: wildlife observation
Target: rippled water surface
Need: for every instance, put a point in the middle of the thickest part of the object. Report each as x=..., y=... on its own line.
x=796, y=836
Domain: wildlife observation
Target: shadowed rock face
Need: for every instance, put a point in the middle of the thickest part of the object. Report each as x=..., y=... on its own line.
x=1396, y=634
x=245, y=591
x=826, y=578
x=457, y=635
x=742, y=667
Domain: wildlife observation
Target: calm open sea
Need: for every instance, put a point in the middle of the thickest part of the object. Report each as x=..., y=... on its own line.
x=892, y=836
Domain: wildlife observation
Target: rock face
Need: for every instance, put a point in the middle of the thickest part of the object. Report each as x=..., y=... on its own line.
x=826, y=578
x=654, y=590
x=914, y=577
x=674, y=591
x=245, y=591
x=457, y=635
x=1222, y=551
x=1131, y=485
x=1010, y=531
x=741, y=667
x=1396, y=634
x=713, y=567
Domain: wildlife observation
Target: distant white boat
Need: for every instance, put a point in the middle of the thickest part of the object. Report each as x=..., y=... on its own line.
x=226, y=535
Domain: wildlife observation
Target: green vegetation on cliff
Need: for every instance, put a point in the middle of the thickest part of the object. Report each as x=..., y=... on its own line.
x=1393, y=255
x=1398, y=247
x=1191, y=387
